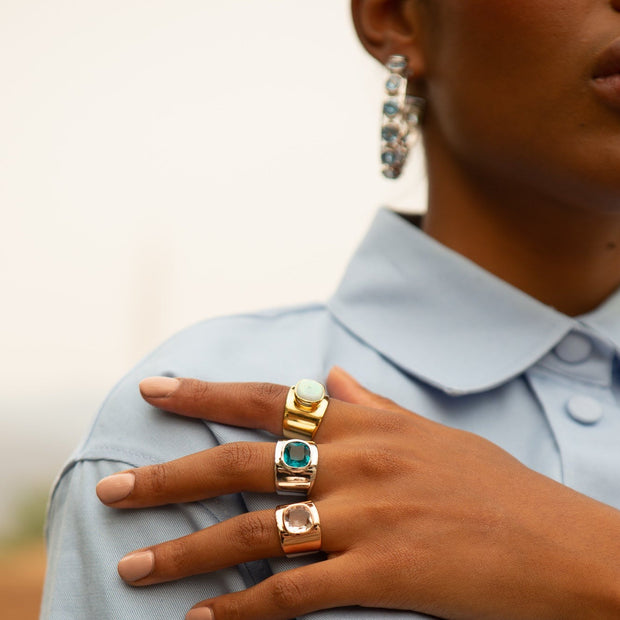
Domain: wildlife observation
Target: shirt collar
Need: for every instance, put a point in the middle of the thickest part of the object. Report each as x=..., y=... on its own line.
x=444, y=319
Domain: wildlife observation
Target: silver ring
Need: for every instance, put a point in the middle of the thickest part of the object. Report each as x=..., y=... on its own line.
x=295, y=464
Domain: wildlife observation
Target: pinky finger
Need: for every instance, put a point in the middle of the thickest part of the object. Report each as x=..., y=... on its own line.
x=288, y=594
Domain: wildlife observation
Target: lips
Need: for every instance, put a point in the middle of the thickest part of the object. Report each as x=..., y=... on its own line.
x=608, y=63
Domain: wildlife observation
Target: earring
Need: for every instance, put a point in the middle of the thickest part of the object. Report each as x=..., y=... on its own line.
x=402, y=114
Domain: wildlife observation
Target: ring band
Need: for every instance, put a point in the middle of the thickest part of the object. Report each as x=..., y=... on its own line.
x=305, y=407
x=295, y=466
x=299, y=527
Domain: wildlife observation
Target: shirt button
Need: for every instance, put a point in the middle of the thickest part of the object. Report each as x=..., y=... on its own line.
x=575, y=348
x=584, y=409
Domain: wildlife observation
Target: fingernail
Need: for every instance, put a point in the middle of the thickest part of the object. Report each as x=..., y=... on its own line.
x=116, y=487
x=200, y=613
x=136, y=565
x=343, y=372
x=158, y=387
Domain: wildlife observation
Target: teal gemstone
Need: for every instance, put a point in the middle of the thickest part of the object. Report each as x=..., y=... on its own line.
x=296, y=454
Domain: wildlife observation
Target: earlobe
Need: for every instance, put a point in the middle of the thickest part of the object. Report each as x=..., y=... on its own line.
x=384, y=30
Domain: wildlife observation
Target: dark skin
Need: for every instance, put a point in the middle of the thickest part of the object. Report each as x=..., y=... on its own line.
x=523, y=157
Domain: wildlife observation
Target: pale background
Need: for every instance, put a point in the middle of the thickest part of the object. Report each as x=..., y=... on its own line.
x=162, y=162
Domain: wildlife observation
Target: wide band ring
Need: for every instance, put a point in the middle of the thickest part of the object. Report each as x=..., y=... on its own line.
x=295, y=464
x=299, y=527
x=306, y=403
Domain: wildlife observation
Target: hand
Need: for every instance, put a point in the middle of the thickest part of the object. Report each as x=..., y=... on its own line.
x=414, y=516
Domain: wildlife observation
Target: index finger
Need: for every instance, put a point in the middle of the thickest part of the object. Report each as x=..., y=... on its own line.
x=250, y=405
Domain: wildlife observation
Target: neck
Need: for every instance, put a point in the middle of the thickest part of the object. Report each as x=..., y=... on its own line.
x=566, y=256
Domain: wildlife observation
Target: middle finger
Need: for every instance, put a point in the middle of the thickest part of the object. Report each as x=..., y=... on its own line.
x=229, y=468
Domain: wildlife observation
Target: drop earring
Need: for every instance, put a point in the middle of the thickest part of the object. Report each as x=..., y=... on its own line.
x=401, y=118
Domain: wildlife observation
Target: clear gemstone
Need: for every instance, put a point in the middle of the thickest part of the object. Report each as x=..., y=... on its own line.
x=309, y=390
x=390, y=108
x=396, y=63
x=298, y=519
x=296, y=454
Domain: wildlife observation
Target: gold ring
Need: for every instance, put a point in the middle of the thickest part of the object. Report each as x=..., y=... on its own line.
x=299, y=527
x=295, y=466
x=305, y=407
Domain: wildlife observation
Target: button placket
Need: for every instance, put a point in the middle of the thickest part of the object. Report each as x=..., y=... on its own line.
x=585, y=420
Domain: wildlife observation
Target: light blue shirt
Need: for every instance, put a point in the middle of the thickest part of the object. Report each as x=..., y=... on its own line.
x=412, y=320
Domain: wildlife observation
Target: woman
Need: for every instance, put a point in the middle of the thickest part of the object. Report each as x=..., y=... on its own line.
x=499, y=323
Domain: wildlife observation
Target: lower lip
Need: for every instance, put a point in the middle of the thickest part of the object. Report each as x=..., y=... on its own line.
x=608, y=89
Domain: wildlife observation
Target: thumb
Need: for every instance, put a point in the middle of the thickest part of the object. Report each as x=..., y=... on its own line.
x=343, y=386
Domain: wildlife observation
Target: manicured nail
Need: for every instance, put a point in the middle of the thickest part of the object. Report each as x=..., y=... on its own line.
x=136, y=565
x=114, y=488
x=200, y=613
x=158, y=387
x=343, y=372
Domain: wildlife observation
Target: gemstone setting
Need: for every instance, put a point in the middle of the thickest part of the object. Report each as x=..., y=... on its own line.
x=309, y=391
x=390, y=133
x=298, y=519
x=296, y=454
x=390, y=108
x=393, y=84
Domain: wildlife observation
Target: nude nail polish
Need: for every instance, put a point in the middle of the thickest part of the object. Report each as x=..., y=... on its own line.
x=137, y=565
x=115, y=487
x=200, y=613
x=158, y=387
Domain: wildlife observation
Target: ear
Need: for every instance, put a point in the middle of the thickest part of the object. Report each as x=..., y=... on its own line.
x=387, y=27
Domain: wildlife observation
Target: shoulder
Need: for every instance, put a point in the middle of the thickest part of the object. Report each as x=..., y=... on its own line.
x=277, y=346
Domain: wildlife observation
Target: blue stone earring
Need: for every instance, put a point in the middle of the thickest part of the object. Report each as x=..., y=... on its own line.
x=401, y=119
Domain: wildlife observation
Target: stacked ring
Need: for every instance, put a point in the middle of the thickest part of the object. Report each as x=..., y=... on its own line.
x=305, y=407
x=299, y=527
x=295, y=466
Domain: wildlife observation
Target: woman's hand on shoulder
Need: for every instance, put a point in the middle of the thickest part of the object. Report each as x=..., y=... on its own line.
x=414, y=515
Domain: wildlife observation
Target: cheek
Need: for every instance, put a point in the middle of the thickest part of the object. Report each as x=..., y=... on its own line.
x=506, y=69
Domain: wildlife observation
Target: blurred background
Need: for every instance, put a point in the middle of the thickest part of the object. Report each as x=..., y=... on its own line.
x=158, y=162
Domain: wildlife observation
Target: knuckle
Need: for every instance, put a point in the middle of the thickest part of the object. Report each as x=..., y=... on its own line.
x=200, y=390
x=158, y=479
x=236, y=458
x=265, y=397
x=252, y=530
x=377, y=461
x=229, y=607
x=175, y=555
x=287, y=592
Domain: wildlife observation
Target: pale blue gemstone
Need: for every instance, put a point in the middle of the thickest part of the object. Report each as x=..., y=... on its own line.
x=390, y=108
x=309, y=390
x=393, y=84
x=390, y=157
x=389, y=133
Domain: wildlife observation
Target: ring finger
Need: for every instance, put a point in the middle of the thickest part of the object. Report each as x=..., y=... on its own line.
x=247, y=537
